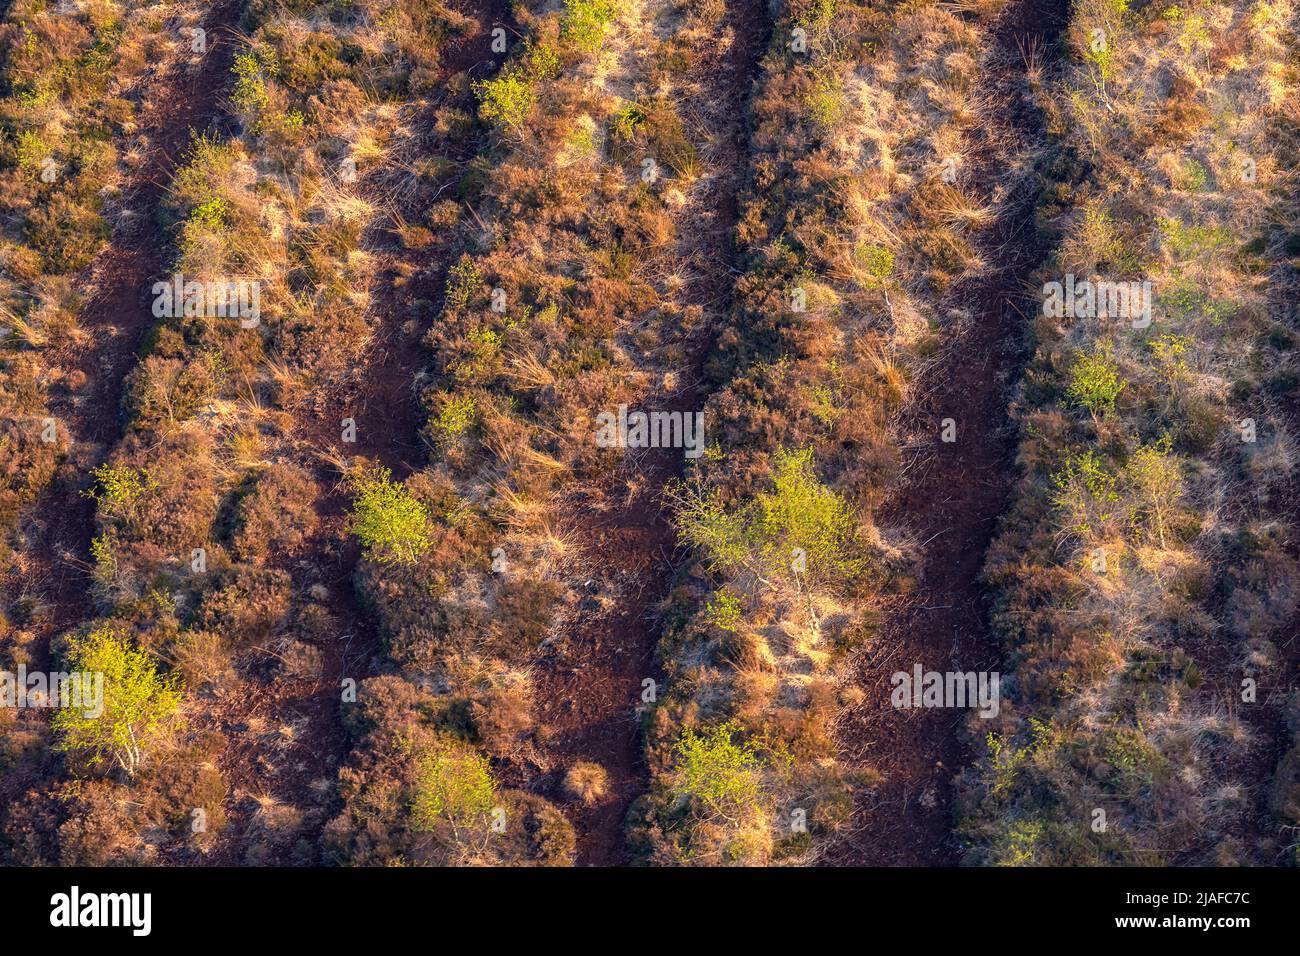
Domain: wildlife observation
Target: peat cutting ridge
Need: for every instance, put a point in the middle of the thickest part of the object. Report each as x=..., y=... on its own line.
x=953, y=493
x=590, y=680
x=381, y=398
x=60, y=525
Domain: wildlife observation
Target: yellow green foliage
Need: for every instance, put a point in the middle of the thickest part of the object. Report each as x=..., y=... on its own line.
x=1094, y=382
x=718, y=771
x=453, y=784
x=797, y=525
x=138, y=702
x=584, y=22
x=391, y=524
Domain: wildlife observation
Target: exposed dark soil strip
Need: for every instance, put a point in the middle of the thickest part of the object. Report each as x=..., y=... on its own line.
x=51, y=569
x=589, y=683
x=952, y=493
x=381, y=397
x=59, y=527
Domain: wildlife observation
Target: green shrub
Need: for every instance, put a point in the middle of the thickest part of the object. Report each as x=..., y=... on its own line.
x=541, y=62
x=827, y=105
x=823, y=405
x=1087, y=492
x=1169, y=351
x=101, y=552
x=1186, y=302
x=454, y=419
x=798, y=518
x=453, y=785
x=1099, y=240
x=506, y=99
x=32, y=150
x=251, y=69
x=138, y=702
x=584, y=21
x=628, y=120
x=1094, y=382
x=1188, y=242
x=818, y=16
x=877, y=260
x=716, y=771
x=120, y=488
x=1155, y=476
x=206, y=221
x=1018, y=845
x=391, y=524
x=723, y=610
x=800, y=512
x=704, y=523
x=207, y=166
x=1193, y=176
x=463, y=280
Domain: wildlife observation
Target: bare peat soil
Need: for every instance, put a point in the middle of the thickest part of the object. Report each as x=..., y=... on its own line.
x=589, y=681
x=53, y=564
x=950, y=495
x=381, y=398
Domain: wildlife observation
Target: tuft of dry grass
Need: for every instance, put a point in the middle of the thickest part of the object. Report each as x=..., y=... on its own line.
x=586, y=782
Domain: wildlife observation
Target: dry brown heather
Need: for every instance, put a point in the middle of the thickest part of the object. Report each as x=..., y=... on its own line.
x=391, y=602
x=851, y=236
x=224, y=453
x=591, y=262
x=86, y=124
x=75, y=82
x=1177, y=142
